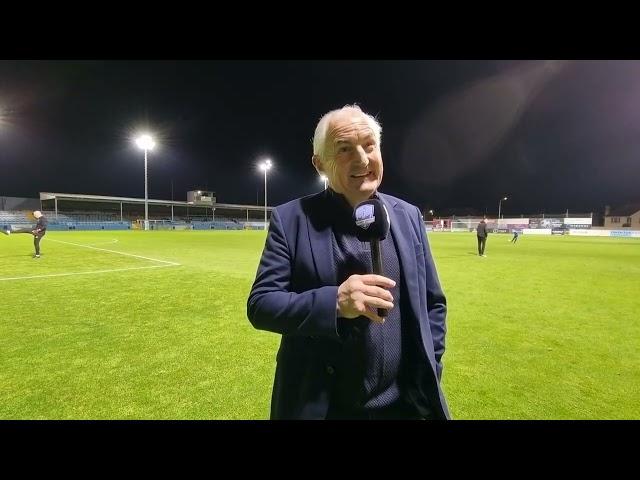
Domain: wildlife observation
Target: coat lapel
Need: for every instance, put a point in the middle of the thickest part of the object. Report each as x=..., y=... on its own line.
x=319, y=228
x=402, y=233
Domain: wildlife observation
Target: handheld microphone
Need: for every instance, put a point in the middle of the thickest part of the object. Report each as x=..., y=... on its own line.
x=372, y=218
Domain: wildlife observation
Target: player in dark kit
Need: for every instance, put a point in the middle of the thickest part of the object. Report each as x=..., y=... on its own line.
x=38, y=231
x=482, y=236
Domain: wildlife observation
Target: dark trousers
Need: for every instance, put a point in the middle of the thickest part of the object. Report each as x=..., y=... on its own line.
x=514, y=239
x=36, y=238
x=36, y=243
x=482, y=241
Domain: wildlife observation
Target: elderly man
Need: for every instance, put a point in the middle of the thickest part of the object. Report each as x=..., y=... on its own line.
x=338, y=359
x=38, y=231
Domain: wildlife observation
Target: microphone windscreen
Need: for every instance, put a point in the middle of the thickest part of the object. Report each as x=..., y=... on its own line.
x=372, y=220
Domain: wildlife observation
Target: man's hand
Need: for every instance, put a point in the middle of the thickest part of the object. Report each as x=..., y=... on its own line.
x=363, y=295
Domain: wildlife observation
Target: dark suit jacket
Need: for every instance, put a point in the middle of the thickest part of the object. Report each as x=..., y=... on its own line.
x=481, y=230
x=295, y=292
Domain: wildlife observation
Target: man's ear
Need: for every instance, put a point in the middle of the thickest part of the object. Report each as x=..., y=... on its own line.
x=317, y=163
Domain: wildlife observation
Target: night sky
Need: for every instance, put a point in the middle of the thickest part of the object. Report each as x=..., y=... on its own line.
x=551, y=135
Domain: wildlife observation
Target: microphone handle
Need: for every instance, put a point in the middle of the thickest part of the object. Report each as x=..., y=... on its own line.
x=376, y=257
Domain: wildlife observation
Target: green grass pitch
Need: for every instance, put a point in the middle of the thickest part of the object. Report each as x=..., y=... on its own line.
x=547, y=328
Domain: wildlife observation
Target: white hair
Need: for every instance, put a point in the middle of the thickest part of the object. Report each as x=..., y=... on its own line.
x=37, y=214
x=320, y=134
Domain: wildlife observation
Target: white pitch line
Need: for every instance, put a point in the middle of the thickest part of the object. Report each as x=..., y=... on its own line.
x=115, y=240
x=119, y=253
x=86, y=273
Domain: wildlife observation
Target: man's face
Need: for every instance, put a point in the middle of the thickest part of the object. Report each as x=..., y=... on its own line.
x=352, y=160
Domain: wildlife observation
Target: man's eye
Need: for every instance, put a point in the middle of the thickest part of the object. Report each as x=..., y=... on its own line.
x=344, y=148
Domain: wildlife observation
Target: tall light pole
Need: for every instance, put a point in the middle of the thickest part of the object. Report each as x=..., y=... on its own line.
x=324, y=179
x=265, y=167
x=146, y=143
x=499, y=208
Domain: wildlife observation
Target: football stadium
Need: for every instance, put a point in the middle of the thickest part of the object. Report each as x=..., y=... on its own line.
x=213, y=240
x=118, y=322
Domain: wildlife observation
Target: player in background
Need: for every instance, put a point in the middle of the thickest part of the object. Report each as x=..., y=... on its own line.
x=38, y=231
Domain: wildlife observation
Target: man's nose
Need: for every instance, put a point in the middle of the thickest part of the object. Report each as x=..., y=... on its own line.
x=362, y=156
